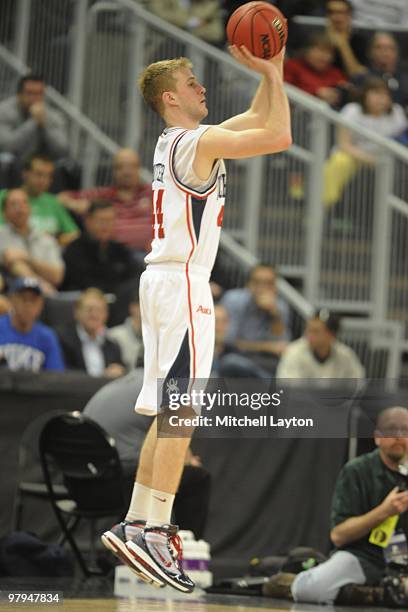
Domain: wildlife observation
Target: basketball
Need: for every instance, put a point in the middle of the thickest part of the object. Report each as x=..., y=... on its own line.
x=260, y=26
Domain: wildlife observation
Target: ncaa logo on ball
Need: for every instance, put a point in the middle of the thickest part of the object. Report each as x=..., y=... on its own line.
x=266, y=46
x=278, y=25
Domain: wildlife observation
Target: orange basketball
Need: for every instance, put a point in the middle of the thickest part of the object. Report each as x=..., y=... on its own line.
x=259, y=26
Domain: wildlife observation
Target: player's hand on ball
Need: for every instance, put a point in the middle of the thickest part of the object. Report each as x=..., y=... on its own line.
x=262, y=66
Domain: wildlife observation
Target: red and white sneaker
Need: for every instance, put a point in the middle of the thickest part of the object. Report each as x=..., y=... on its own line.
x=159, y=550
x=115, y=540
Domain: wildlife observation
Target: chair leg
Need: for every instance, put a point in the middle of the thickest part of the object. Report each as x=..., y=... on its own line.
x=71, y=527
x=92, y=547
x=18, y=511
x=68, y=537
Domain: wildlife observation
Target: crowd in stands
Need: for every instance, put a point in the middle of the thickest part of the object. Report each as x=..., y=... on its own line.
x=56, y=238
x=252, y=337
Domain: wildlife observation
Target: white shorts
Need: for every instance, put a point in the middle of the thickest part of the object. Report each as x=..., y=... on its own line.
x=177, y=313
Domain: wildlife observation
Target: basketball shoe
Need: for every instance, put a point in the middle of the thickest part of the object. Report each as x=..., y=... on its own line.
x=159, y=549
x=115, y=540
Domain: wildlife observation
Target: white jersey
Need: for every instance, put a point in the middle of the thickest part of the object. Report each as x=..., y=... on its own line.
x=186, y=213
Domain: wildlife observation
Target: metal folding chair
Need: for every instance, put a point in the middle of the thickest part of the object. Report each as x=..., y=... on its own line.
x=88, y=461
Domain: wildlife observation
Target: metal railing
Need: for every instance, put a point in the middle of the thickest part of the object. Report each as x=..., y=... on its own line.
x=320, y=22
x=377, y=343
x=350, y=257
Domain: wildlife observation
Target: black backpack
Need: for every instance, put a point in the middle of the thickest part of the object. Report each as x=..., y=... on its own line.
x=23, y=554
x=299, y=559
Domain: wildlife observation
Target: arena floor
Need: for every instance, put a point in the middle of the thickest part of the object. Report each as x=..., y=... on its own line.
x=96, y=595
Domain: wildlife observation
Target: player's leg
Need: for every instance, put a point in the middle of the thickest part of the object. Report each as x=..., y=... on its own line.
x=191, y=365
x=146, y=402
x=192, y=359
x=145, y=467
x=115, y=539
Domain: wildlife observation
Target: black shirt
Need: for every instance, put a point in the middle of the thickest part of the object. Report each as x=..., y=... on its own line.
x=358, y=44
x=89, y=263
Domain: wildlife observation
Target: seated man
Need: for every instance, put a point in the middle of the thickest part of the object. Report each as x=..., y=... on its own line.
x=350, y=46
x=129, y=196
x=95, y=259
x=112, y=408
x=259, y=319
x=28, y=126
x=318, y=354
x=86, y=346
x=25, y=251
x=48, y=215
x=369, y=527
x=228, y=360
x=129, y=335
x=26, y=344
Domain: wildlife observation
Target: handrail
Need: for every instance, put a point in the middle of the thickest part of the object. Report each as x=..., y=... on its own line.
x=304, y=99
x=69, y=109
x=247, y=259
x=315, y=20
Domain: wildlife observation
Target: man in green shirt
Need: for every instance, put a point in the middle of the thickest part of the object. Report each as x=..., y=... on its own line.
x=48, y=215
x=369, y=527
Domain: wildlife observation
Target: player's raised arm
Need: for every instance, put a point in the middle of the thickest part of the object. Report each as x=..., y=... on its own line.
x=265, y=128
x=270, y=113
x=257, y=114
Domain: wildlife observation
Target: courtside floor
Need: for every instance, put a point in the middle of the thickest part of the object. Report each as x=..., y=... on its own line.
x=96, y=595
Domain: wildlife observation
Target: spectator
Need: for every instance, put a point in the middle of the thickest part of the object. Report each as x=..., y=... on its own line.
x=25, y=251
x=371, y=490
x=315, y=73
x=86, y=346
x=384, y=62
x=350, y=46
x=129, y=196
x=26, y=344
x=28, y=126
x=129, y=335
x=377, y=113
x=229, y=361
x=95, y=259
x=203, y=18
x=48, y=215
x=259, y=319
x=5, y=305
x=318, y=354
x=381, y=14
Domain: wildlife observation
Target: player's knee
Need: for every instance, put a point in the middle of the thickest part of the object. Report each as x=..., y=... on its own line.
x=307, y=588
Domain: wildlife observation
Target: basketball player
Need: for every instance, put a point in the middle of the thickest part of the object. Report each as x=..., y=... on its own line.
x=175, y=298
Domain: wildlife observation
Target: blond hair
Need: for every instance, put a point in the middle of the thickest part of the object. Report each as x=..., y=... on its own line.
x=158, y=78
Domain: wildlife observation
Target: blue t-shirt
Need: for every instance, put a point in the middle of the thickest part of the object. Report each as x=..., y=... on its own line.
x=35, y=350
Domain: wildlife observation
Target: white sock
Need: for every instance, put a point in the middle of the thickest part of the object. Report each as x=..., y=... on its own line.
x=161, y=505
x=140, y=503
